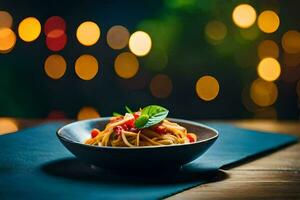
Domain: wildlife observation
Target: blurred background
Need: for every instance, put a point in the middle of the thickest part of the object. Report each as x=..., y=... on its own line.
x=200, y=59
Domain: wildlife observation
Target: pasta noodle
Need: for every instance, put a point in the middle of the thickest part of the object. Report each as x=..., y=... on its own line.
x=121, y=132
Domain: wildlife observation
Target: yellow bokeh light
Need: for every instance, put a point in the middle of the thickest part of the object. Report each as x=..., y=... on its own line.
x=207, y=88
x=117, y=37
x=6, y=20
x=88, y=33
x=268, y=21
x=55, y=66
x=140, y=43
x=244, y=15
x=161, y=86
x=126, y=65
x=7, y=40
x=87, y=113
x=29, y=29
x=268, y=48
x=291, y=41
x=8, y=126
x=269, y=69
x=216, y=30
x=263, y=93
x=86, y=67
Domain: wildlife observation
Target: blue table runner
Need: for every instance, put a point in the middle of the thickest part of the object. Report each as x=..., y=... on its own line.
x=35, y=165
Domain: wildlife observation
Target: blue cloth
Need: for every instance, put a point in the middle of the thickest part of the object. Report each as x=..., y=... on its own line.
x=35, y=165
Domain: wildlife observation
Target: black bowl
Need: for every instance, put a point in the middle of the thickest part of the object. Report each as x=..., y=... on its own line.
x=73, y=136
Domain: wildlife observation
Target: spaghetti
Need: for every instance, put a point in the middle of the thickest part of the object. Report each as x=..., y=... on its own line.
x=122, y=131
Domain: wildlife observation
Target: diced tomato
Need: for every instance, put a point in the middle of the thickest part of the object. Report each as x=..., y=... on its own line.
x=136, y=115
x=95, y=132
x=191, y=138
x=160, y=129
x=130, y=124
x=118, y=130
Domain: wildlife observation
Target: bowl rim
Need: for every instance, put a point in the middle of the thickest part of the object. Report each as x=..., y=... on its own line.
x=61, y=137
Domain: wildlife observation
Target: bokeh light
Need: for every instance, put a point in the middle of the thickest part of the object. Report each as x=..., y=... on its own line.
x=140, y=43
x=54, y=23
x=55, y=66
x=259, y=112
x=207, y=88
x=88, y=33
x=263, y=93
x=268, y=48
x=8, y=126
x=56, y=40
x=117, y=37
x=291, y=41
x=244, y=15
x=216, y=31
x=126, y=65
x=268, y=21
x=7, y=40
x=54, y=29
x=269, y=69
x=6, y=19
x=86, y=67
x=161, y=86
x=29, y=29
x=87, y=113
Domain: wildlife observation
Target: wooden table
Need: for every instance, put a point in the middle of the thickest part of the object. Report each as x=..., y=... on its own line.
x=273, y=176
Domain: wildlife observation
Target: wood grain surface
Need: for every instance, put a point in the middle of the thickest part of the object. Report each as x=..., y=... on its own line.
x=273, y=176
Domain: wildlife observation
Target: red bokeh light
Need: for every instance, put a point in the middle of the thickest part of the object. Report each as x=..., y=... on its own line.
x=56, y=43
x=55, y=31
x=54, y=23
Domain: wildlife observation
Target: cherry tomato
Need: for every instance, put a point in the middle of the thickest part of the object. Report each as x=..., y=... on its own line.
x=191, y=138
x=136, y=115
x=130, y=124
x=95, y=132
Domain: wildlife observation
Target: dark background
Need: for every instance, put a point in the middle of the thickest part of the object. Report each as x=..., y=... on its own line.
x=26, y=91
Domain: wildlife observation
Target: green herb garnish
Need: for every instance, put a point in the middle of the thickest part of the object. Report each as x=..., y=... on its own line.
x=128, y=109
x=115, y=114
x=150, y=116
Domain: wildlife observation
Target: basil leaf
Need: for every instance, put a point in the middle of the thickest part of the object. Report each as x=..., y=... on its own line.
x=115, y=114
x=141, y=121
x=155, y=115
x=128, y=109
